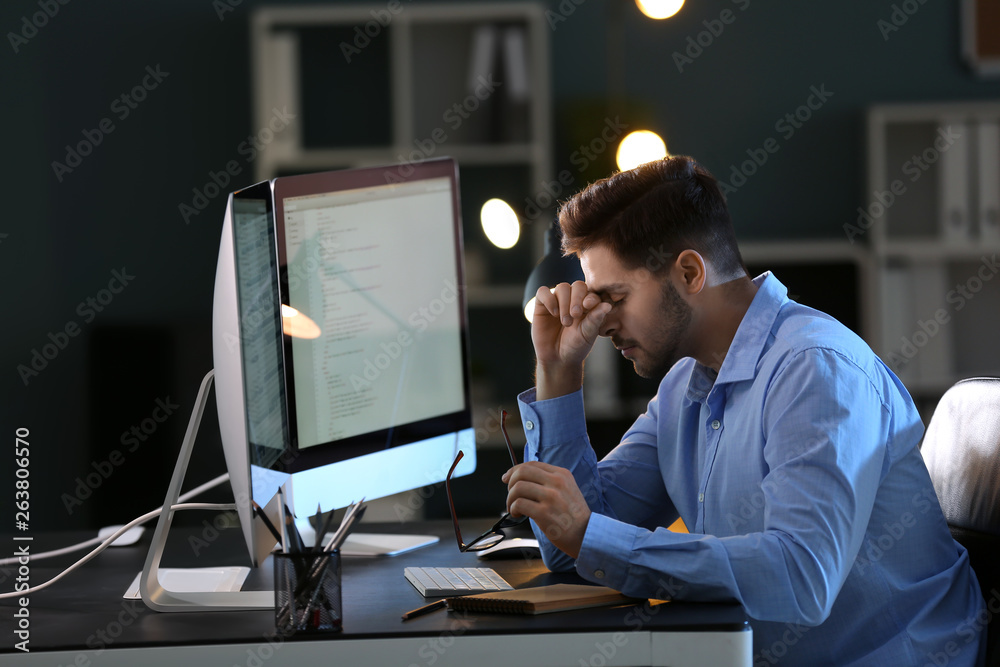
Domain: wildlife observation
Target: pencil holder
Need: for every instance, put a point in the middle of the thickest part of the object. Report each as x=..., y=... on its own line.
x=307, y=593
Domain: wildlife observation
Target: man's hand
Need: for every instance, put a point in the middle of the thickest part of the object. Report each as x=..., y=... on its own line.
x=564, y=327
x=550, y=496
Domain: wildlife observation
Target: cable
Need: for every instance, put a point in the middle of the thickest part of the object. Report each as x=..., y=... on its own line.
x=111, y=538
x=211, y=484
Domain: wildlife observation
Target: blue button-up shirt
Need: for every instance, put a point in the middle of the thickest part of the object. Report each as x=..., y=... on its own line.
x=797, y=470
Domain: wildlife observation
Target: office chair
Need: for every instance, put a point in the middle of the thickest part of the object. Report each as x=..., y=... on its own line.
x=961, y=449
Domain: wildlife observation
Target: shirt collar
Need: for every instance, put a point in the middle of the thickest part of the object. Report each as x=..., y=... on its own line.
x=748, y=343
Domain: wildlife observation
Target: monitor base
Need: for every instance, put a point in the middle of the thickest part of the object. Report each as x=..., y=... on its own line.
x=189, y=580
x=370, y=545
x=383, y=544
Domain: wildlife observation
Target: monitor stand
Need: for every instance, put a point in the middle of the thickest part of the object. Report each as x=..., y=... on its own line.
x=198, y=589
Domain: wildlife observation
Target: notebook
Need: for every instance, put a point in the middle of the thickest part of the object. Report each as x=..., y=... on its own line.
x=541, y=599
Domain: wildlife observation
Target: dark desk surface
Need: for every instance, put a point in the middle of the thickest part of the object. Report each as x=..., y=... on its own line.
x=86, y=610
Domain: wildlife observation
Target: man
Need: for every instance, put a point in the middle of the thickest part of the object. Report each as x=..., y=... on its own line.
x=786, y=446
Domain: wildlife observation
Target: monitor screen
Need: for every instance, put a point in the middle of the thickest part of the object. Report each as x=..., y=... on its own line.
x=373, y=268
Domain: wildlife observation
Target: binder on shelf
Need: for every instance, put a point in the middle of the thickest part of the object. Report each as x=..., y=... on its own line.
x=482, y=60
x=517, y=85
x=988, y=199
x=898, y=321
x=932, y=330
x=515, y=55
x=954, y=215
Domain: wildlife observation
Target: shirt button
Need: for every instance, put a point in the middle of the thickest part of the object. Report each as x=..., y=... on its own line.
x=599, y=574
x=529, y=424
x=716, y=424
x=701, y=497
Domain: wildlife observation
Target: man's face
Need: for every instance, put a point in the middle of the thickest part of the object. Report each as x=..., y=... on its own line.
x=649, y=321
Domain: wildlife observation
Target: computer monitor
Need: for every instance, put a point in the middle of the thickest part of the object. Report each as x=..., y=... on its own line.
x=340, y=340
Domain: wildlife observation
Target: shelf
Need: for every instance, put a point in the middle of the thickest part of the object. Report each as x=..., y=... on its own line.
x=934, y=218
x=935, y=251
x=480, y=92
x=932, y=111
x=832, y=250
x=315, y=159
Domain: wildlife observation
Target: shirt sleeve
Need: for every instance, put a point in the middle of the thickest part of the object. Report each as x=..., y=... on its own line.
x=825, y=442
x=625, y=485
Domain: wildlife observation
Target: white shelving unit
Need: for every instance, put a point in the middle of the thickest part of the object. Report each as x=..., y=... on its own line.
x=934, y=228
x=470, y=81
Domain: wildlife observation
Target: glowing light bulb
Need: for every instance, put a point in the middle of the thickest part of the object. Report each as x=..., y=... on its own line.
x=638, y=148
x=659, y=9
x=500, y=223
x=529, y=310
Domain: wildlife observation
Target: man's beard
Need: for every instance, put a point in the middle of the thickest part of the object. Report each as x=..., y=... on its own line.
x=663, y=352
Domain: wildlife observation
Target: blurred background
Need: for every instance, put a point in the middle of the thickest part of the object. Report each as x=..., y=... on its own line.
x=127, y=123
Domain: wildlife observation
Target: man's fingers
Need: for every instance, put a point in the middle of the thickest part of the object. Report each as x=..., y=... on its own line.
x=567, y=302
x=564, y=295
x=522, y=506
x=579, y=292
x=590, y=328
x=523, y=495
x=530, y=481
x=590, y=301
x=544, y=298
x=533, y=471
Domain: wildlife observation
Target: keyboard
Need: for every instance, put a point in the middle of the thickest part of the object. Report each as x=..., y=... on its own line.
x=451, y=581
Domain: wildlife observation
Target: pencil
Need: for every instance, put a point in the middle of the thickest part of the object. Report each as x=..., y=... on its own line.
x=267, y=521
x=426, y=609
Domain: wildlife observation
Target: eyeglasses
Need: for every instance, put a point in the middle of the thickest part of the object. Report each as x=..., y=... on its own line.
x=494, y=535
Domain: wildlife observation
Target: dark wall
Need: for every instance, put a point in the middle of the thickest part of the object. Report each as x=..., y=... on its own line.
x=63, y=236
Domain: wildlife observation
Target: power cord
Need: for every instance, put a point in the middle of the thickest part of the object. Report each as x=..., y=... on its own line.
x=106, y=542
x=211, y=484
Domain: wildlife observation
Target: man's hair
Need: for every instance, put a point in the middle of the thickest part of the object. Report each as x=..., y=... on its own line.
x=659, y=208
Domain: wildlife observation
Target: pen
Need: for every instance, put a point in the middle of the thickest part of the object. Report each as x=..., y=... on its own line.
x=426, y=609
x=294, y=539
x=322, y=526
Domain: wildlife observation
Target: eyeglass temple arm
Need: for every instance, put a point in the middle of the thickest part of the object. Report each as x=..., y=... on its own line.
x=451, y=502
x=503, y=428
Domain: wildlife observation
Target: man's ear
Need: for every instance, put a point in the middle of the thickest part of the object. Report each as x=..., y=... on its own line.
x=690, y=272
